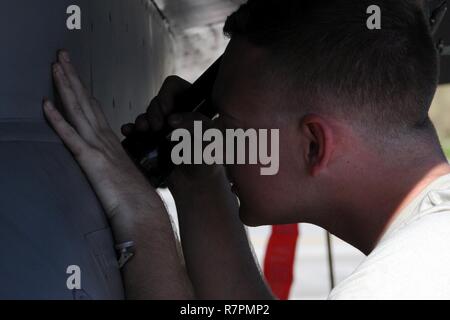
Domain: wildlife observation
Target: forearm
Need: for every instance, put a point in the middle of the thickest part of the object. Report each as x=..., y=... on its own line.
x=218, y=256
x=156, y=270
x=134, y=209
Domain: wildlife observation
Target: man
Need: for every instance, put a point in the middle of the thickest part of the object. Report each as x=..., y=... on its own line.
x=359, y=155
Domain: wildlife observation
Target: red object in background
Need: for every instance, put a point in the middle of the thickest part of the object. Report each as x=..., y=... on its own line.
x=280, y=258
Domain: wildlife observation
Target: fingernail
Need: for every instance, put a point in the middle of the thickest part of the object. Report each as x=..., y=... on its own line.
x=48, y=106
x=65, y=55
x=56, y=68
x=175, y=120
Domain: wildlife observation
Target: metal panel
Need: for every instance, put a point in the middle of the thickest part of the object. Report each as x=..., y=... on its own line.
x=49, y=216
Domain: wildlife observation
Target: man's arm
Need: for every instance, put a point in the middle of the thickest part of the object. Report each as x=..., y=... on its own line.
x=218, y=257
x=156, y=270
x=135, y=210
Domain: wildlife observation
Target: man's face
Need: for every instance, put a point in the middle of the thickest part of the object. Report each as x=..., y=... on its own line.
x=248, y=99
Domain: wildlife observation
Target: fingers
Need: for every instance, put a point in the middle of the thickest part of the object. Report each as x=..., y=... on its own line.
x=160, y=107
x=164, y=104
x=127, y=129
x=67, y=133
x=99, y=114
x=142, y=123
x=81, y=94
x=70, y=103
x=172, y=87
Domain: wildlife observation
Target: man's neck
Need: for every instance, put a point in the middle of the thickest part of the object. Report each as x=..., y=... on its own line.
x=376, y=204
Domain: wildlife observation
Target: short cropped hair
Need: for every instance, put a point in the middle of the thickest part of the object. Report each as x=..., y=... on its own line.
x=384, y=77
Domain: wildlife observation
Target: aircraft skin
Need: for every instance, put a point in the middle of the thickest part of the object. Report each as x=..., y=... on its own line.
x=50, y=218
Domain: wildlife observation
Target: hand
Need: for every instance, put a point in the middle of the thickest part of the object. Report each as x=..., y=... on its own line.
x=87, y=134
x=160, y=111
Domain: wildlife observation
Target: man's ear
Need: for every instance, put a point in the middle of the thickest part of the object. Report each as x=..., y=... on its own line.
x=318, y=143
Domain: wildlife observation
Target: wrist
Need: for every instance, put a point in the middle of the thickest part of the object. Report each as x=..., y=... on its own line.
x=135, y=216
x=184, y=181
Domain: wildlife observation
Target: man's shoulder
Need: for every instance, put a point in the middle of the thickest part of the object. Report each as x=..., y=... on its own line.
x=413, y=262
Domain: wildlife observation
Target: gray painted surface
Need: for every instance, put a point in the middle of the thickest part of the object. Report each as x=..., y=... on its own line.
x=49, y=216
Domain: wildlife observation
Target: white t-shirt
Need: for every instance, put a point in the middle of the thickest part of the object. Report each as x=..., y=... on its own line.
x=412, y=259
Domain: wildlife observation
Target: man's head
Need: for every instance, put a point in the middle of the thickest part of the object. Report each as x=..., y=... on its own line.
x=339, y=93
